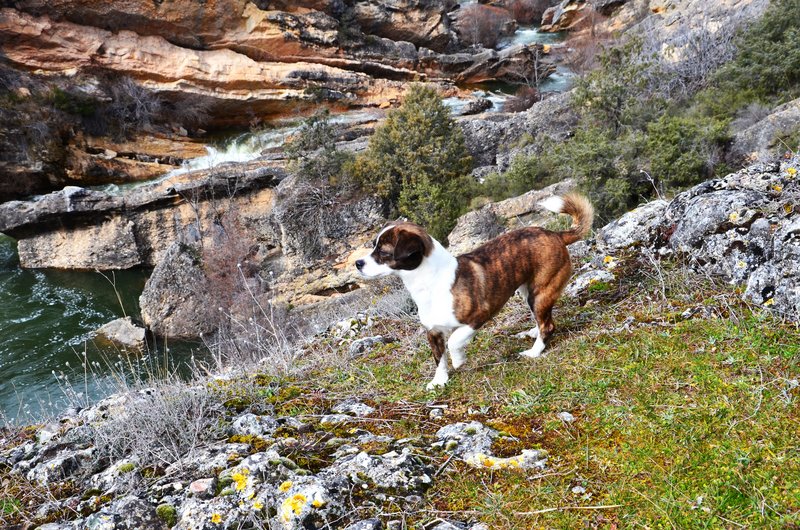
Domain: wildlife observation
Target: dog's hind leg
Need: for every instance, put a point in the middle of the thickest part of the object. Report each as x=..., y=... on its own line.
x=542, y=306
x=533, y=333
x=436, y=341
x=457, y=344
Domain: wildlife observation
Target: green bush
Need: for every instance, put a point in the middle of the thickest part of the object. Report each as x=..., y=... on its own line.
x=418, y=161
x=684, y=150
x=525, y=173
x=768, y=63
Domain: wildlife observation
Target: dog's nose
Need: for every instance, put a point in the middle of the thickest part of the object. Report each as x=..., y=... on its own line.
x=360, y=264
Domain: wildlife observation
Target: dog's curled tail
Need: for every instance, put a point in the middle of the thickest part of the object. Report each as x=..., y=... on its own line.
x=579, y=208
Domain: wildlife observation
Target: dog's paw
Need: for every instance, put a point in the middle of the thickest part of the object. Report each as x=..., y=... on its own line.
x=535, y=351
x=533, y=333
x=436, y=382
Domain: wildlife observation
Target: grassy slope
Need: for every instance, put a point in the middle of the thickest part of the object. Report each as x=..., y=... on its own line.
x=679, y=423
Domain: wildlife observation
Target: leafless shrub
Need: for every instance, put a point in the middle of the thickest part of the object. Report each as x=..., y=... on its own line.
x=162, y=425
x=257, y=332
x=190, y=111
x=693, y=55
x=303, y=216
x=750, y=115
x=482, y=25
x=132, y=107
x=528, y=11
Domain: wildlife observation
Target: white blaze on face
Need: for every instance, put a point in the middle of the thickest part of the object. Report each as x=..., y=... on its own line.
x=368, y=267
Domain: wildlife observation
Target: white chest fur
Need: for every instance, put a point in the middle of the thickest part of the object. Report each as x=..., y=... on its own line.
x=430, y=286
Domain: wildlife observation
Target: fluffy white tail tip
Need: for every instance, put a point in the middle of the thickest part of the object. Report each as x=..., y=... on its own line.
x=554, y=204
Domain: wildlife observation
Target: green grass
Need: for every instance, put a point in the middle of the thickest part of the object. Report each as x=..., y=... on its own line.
x=679, y=424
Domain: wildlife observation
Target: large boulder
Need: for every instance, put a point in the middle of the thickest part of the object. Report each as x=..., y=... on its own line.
x=479, y=226
x=761, y=140
x=174, y=302
x=422, y=22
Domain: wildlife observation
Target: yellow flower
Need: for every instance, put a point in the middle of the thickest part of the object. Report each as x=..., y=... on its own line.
x=257, y=505
x=284, y=487
x=608, y=259
x=792, y=172
x=240, y=479
x=216, y=518
x=734, y=216
x=769, y=302
x=292, y=505
x=318, y=503
x=777, y=187
x=788, y=208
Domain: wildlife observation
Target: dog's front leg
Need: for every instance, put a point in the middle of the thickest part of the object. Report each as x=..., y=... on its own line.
x=457, y=344
x=436, y=340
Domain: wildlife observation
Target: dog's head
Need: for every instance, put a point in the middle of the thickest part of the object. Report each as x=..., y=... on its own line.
x=398, y=247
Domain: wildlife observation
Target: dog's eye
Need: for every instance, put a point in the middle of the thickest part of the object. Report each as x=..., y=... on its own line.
x=383, y=254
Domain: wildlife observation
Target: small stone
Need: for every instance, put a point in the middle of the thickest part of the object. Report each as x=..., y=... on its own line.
x=335, y=419
x=436, y=414
x=203, y=488
x=566, y=417
x=367, y=524
x=354, y=408
x=361, y=346
x=578, y=490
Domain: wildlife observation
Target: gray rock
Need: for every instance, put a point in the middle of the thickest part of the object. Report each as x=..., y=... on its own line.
x=463, y=439
x=335, y=419
x=637, y=227
x=396, y=473
x=760, y=140
x=361, y=346
x=585, y=279
x=353, y=407
x=448, y=525
x=367, y=524
x=174, y=302
x=123, y=331
x=128, y=513
x=253, y=425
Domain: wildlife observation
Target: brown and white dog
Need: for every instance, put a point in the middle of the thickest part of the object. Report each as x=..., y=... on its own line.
x=458, y=295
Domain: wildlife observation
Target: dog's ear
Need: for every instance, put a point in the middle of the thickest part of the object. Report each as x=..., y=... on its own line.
x=410, y=249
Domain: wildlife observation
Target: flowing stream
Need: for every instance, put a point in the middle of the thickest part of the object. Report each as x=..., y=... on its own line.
x=47, y=320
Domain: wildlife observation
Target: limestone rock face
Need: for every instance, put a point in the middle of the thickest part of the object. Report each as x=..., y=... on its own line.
x=422, y=22
x=173, y=302
x=235, y=81
x=108, y=245
x=762, y=140
x=77, y=228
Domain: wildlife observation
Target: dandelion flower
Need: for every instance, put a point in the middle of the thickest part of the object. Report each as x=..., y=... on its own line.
x=777, y=187
x=608, y=259
x=216, y=518
x=284, y=487
x=258, y=505
x=792, y=172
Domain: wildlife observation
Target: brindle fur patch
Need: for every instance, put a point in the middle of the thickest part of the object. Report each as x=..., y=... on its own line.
x=489, y=275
